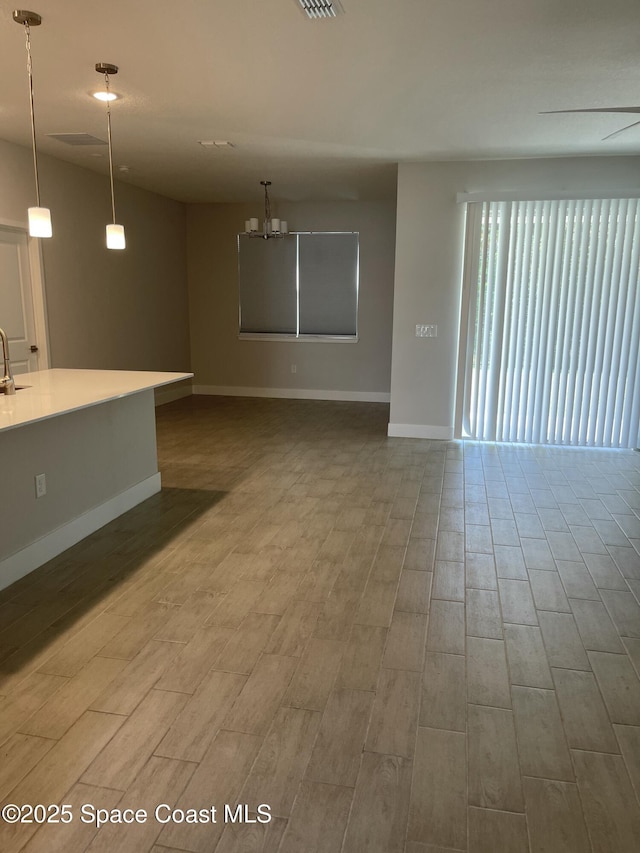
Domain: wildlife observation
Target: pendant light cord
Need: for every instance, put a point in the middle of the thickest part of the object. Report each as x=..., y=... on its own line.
x=113, y=200
x=27, y=30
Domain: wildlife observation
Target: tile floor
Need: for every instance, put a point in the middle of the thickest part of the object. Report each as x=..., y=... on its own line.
x=397, y=645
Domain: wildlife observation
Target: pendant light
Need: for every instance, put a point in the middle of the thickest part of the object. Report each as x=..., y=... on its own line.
x=115, y=233
x=271, y=227
x=39, y=217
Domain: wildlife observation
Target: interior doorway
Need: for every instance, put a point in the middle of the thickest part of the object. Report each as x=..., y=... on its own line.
x=22, y=299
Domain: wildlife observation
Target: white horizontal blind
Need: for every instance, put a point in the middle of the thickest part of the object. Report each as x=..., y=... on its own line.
x=554, y=327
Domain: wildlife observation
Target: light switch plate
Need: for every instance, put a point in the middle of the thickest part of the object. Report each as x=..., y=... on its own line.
x=426, y=331
x=41, y=485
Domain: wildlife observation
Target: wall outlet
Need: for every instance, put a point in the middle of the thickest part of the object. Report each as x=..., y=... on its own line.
x=41, y=485
x=294, y=368
x=426, y=331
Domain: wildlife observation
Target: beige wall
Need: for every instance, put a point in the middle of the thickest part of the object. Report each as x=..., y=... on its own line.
x=111, y=310
x=221, y=361
x=428, y=267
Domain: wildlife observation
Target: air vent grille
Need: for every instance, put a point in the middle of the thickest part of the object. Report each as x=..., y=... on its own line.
x=210, y=144
x=314, y=9
x=76, y=138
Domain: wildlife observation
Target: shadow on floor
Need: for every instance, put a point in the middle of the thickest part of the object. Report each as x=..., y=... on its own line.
x=88, y=578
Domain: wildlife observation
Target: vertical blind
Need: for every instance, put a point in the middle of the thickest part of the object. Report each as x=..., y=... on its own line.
x=553, y=350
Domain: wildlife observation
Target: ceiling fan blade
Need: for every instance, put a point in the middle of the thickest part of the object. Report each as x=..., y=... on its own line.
x=622, y=130
x=596, y=110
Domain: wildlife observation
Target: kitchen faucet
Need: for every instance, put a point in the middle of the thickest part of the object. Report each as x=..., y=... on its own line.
x=7, y=385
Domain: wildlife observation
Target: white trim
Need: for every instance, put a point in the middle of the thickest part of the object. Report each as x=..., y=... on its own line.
x=39, y=298
x=420, y=431
x=294, y=393
x=298, y=339
x=544, y=195
x=49, y=546
x=167, y=394
x=470, y=255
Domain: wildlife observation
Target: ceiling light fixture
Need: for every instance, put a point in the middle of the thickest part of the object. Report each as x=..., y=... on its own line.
x=39, y=217
x=115, y=233
x=106, y=96
x=271, y=227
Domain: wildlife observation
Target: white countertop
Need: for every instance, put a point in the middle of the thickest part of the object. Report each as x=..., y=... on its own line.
x=50, y=393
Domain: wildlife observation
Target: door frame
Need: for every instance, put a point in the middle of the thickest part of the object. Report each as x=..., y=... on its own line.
x=470, y=253
x=38, y=292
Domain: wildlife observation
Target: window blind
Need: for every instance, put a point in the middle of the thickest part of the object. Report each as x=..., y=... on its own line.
x=268, y=285
x=304, y=284
x=554, y=322
x=328, y=284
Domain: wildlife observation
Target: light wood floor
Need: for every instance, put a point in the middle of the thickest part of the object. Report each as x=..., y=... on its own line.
x=397, y=645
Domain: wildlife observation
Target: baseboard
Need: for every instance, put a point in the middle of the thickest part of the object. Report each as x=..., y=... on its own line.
x=169, y=393
x=293, y=393
x=420, y=431
x=39, y=552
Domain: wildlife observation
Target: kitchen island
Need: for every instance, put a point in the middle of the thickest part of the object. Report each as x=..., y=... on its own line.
x=91, y=433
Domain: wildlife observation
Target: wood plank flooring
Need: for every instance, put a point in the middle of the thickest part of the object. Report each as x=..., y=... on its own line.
x=400, y=646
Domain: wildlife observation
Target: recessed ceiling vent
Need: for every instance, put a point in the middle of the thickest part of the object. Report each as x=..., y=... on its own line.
x=77, y=138
x=215, y=143
x=321, y=8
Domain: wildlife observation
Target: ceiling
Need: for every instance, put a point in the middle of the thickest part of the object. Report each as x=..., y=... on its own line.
x=325, y=109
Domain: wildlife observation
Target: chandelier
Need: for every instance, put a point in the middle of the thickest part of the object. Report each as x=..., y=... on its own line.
x=271, y=226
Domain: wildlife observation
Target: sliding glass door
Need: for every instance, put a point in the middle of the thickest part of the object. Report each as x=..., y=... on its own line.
x=551, y=347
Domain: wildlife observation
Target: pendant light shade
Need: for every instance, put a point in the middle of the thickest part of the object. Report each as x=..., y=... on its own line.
x=39, y=217
x=115, y=233
x=40, y=222
x=115, y=237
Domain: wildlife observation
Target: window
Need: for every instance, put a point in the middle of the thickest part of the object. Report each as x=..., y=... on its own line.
x=303, y=286
x=553, y=324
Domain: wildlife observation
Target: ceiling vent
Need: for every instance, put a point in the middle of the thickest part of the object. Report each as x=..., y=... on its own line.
x=321, y=8
x=76, y=138
x=217, y=143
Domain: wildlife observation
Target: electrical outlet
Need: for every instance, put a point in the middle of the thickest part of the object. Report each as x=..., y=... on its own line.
x=41, y=485
x=426, y=331
x=294, y=368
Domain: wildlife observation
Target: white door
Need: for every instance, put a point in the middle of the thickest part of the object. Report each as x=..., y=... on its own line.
x=16, y=300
